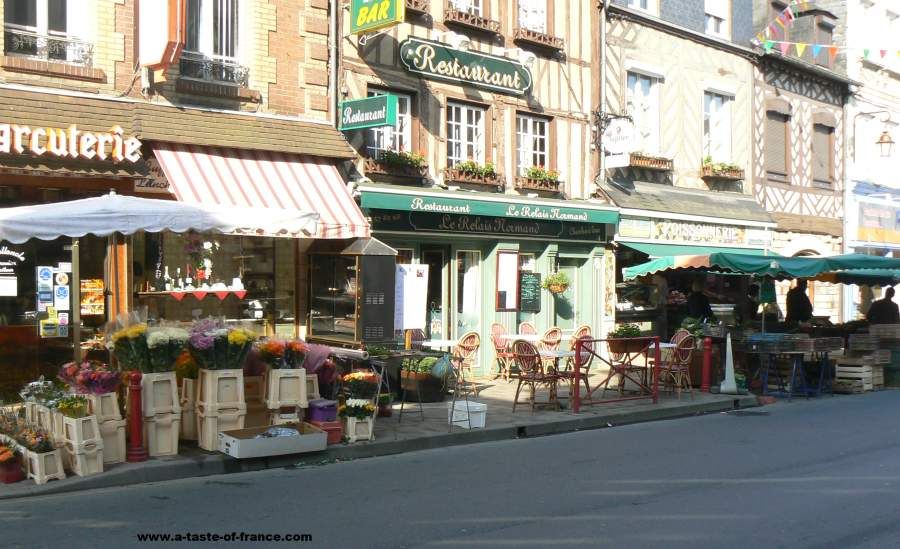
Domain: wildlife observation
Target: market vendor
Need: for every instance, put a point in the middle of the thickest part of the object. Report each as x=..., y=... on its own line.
x=799, y=308
x=697, y=303
x=884, y=310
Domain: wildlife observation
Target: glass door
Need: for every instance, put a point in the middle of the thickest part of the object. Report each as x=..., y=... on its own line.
x=565, y=304
x=438, y=289
x=468, y=291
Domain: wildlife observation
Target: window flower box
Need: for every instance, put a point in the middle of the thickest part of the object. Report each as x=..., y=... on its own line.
x=640, y=160
x=540, y=39
x=418, y=7
x=373, y=167
x=477, y=176
x=711, y=171
x=471, y=21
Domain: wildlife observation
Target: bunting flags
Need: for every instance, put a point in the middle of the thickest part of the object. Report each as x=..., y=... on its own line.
x=800, y=48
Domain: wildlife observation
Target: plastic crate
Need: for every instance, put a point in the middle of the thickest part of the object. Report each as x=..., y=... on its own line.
x=463, y=413
x=161, y=434
x=222, y=388
x=334, y=430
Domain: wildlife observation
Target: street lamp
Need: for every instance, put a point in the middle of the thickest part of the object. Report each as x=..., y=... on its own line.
x=885, y=143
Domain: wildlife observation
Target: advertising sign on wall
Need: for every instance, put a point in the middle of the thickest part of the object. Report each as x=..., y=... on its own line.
x=371, y=15
x=371, y=112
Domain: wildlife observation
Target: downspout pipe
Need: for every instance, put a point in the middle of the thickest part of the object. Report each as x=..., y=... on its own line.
x=334, y=60
x=602, y=161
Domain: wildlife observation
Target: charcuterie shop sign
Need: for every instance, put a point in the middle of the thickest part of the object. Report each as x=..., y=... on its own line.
x=113, y=145
x=439, y=61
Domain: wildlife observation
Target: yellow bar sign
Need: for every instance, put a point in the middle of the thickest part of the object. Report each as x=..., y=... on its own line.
x=370, y=15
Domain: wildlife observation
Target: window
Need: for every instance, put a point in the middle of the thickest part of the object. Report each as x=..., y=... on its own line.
x=776, y=146
x=397, y=138
x=468, y=6
x=717, y=127
x=533, y=15
x=718, y=18
x=212, y=41
x=507, y=279
x=45, y=29
x=823, y=155
x=643, y=5
x=468, y=291
x=465, y=134
x=643, y=105
x=531, y=142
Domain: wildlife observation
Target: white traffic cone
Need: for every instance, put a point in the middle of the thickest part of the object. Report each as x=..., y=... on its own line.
x=729, y=385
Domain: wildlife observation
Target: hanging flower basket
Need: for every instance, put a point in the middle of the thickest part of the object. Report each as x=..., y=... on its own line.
x=557, y=288
x=556, y=283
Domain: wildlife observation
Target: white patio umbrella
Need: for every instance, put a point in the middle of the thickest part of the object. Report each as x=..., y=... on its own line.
x=114, y=213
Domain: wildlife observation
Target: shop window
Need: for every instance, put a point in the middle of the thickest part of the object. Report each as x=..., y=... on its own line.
x=717, y=127
x=507, y=281
x=333, y=293
x=212, y=42
x=465, y=134
x=823, y=156
x=468, y=291
x=475, y=7
x=642, y=97
x=531, y=142
x=396, y=138
x=777, y=144
x=533, y=15
x=718, y=18
x=51, y=30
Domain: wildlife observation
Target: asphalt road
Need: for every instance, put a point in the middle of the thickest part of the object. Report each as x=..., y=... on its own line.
x=823, y=473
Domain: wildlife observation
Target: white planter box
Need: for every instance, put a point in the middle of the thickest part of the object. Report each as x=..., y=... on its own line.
x=81, y=432
x=188, y=409
x=359, y=429
x=221, y=389
x=44, y=467
x=113, y=435
x=210, y=426
x=83, y=461
x=465, y=412
x=242, y=444
x=105, y=407
x=161, y=434
x=312, y=387
x=286, y=388
x=159, y=394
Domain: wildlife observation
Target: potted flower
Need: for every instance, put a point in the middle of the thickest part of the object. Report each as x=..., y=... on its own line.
x=626, y=334
x=99, y=383
x=11, y=468
x=357, y=414
x=556, y=283
x=419, y=382
x=360, y=384
x=43, y=460
x=539, y=178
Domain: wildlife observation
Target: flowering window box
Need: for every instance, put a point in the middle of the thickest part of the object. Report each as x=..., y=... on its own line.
x=494, y=180
x=638, y=160
x=471, y=21
x=534, y=184
x=728, y=174
x=418, y=7
x=376, y=168
x=540, y=39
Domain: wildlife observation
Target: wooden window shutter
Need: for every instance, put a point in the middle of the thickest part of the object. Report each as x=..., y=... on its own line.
x=776, y=145
x=822, y=154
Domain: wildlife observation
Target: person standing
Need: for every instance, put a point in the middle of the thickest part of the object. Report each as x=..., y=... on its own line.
x=698, y=304
x=884, y=311
x=799, y=308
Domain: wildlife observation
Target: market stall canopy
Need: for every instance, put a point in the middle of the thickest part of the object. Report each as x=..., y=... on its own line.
x=113, y=213
x=864, y=277
x=655, y=249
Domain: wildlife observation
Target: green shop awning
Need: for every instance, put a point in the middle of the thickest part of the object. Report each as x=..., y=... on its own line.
x=654, y=249
x=450, y=202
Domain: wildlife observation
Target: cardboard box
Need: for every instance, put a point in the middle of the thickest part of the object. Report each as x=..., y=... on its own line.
x=241, y=443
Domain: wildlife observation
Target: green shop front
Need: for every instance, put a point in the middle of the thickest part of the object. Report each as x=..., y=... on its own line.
x=488, y=254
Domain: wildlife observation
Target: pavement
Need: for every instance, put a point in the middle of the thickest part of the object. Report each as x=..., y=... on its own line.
x=817, y=473
x=395, y=436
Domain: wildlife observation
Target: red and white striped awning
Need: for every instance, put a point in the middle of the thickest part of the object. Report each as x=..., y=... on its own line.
x=262, y=179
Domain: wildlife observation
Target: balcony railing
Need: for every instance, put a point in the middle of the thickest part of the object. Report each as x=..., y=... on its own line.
x=25, y=42
x=535, y=184
x=418, y=7
x=453, y=15
x=537, y=38
x=211, y=69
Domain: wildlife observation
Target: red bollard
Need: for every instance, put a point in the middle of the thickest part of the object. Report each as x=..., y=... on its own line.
x=707, y=365
x=136, y=450
x=576, y=394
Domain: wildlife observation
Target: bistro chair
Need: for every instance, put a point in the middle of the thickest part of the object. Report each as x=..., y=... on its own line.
x=462, y=357
x=531, y=372
x=587, y=357
x=675, y=371
x=527, y=328
x=502, y=354
x=550, y=342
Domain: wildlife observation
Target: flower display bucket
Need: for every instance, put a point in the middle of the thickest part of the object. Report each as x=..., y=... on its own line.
x=221, y=388
x=159, y=394
x=45, y=467
x=161, y=434
x=113, y=435
x=84, y=462
x=359, y=429
x=12, y=471
x=105, y=407
x=286, y=388
x=81, y=432
x=209, y=427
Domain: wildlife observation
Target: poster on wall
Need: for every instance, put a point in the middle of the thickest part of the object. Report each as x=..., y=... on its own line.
x=411, y=296
x=92, y=299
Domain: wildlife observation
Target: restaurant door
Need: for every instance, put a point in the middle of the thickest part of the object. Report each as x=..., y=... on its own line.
x=565, y=304
x=438, y=291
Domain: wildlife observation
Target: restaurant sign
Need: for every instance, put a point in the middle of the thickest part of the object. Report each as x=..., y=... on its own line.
x=71, y=142
x=439, y=61
x=371, y=15
x=371, y=112
x=487, y=225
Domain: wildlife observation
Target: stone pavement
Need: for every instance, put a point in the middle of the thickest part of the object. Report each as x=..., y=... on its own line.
x=412, y=433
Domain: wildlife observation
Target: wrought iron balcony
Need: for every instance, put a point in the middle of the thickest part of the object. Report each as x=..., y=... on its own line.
x=25, y=42
x=210, y=69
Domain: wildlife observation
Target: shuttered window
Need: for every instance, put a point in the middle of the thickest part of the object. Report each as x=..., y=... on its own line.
x=823, y=155
x=776, y=152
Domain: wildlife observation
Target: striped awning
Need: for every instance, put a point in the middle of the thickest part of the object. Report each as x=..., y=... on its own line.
x=263, y=179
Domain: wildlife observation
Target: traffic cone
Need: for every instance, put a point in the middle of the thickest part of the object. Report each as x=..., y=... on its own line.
x=729, y=386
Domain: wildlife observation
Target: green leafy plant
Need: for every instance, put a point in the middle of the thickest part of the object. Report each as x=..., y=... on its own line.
x=403, y=158
x=556, y=279
x=470, y=167
x=419, y=366
x=385, y=399
x=541, y=173
x=720, y=167
x=693, y=325
x=378, y=351
x=625, y=330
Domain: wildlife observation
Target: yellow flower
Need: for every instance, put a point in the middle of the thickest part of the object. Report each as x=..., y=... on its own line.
x=240, y=336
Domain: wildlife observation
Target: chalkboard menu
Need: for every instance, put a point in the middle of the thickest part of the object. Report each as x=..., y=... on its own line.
x=529, y=292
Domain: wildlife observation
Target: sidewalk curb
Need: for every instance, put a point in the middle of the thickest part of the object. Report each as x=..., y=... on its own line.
x=208, y=465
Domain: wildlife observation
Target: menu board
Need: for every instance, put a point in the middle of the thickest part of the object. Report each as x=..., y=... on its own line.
x=529, y=292
x=92, y=298
x=411, y=293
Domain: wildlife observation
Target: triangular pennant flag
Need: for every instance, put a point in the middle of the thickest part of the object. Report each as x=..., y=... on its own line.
x=816, y=49
x=768, y=45
x=780, y=22
x=790, y=12
x=832, y=52
x=800, y=49
x=785, y=47
x=883, y=53
x=866, y=53
x=771, y=30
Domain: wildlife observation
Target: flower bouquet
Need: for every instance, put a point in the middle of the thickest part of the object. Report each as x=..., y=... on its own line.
x=185, y=366
x=361, y=385
x=91, y=377
x=73, y=406
x=129, y=346
x=283, y=354
x=166, y=345
x=36, y=440
x=358, y=408
x=215, y=347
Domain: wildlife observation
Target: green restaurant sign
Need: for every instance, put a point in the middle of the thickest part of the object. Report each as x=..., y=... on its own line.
x=439, y=61
x=371, y=112
x=371, y=15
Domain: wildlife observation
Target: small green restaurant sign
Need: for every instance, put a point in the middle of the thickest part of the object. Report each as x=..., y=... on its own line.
x=439, y=61
x=383, y=220
x=371, y=112
x=371, y=15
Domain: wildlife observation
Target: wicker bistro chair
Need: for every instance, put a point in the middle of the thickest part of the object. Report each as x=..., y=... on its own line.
x=502, y=354
x=527, y=328
x=587, y=357
x=675, y=372
x=531, y=372
x=462, y=358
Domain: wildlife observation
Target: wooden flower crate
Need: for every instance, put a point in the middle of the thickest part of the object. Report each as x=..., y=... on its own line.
x=853, y=372
x=359, y=429
x=44, y=467
x=709, y=172
x=221, y=388
x=286, y=388
x=188, y=409
x=105, y=407
x=161, y=434
x=650, y=162
x=459, y=176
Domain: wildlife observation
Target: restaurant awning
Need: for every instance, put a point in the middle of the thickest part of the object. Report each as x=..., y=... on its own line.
x=261, y=179
x=654, y=249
